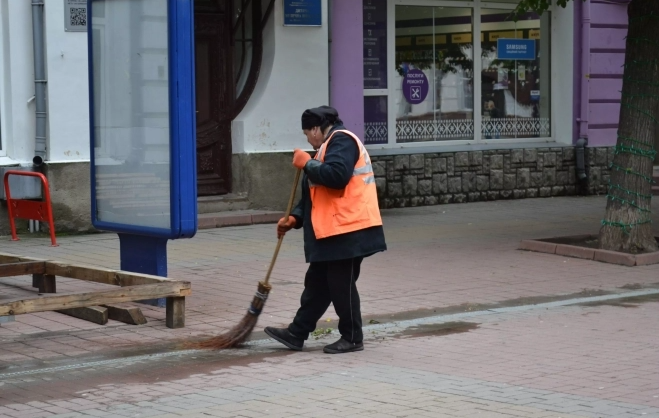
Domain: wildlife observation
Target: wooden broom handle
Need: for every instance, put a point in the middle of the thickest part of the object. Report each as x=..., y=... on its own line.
x=288, y=213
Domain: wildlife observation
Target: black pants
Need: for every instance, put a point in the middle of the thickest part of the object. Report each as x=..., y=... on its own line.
x=335, y=282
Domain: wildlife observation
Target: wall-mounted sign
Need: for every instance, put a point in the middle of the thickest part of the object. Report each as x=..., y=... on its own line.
x=515, y=49
x=415, y=86
x=505, y=34
x=75, y=15
x=303, y=13
x=461, y=38
x=375, y=44
x=535, y=95
x=428, y=40
x=534, y=34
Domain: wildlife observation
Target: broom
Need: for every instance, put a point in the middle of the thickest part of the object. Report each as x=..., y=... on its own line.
x=238, y=334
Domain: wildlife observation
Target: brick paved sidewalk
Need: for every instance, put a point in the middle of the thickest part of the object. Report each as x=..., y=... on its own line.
x=570, y=362
x=438, y=256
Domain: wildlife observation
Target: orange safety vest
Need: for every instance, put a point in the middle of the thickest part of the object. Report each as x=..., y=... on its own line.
x=339, y=211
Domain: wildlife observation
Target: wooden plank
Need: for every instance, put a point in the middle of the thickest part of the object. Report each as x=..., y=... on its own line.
x=130, y=315
x=79, y=300
x=36, y=280
x=12, y=258
x=101, y=275
x=88, y=273
x=133, y=279
x=21, y=268
x=175, y=312
x=95, y=314
x=47, y=284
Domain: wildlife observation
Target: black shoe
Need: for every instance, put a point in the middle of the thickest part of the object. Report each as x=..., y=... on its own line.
x=285, y=337
x=343, y=346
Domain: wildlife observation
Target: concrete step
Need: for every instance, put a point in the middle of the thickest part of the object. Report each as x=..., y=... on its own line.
x=237, y=218
x=222, y=203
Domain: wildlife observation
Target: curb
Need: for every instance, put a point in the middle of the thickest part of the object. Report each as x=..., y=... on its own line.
x=604, y=256
x=237, y=218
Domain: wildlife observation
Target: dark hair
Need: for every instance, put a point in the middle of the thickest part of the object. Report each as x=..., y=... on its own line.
x=322, y=117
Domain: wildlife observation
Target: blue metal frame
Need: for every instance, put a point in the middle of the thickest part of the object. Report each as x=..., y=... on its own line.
x=182, y=104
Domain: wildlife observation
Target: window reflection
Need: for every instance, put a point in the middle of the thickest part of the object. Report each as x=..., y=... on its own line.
x=434, y=80
x=515, y=93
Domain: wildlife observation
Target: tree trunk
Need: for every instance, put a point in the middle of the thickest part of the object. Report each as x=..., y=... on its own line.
x=627, y=224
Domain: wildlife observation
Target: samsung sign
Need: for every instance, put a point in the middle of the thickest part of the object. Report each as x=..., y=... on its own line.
x=515, y=49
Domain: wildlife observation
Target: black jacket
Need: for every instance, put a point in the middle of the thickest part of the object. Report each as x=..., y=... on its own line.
x=335, y=172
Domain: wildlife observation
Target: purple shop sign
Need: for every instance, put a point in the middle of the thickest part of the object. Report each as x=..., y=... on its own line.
x=415, y=86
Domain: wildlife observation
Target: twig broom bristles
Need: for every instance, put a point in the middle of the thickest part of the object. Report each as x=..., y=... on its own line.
x=238, y=334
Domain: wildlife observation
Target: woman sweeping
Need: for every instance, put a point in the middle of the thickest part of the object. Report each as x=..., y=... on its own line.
x=340, y=217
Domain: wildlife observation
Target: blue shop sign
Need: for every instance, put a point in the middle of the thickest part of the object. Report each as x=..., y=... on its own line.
x=302, y=13
x=515, y=49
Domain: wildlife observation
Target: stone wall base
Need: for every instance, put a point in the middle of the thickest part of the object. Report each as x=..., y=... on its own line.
x=472, y=176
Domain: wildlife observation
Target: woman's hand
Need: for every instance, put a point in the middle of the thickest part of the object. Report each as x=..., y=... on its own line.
x=300, y=158
x=284, y=225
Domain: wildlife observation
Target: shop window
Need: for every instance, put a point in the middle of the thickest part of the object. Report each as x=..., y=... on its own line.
x=375, y=120
x=375, y=72
x=433, y=86
x=419, y=67
x=515, y=91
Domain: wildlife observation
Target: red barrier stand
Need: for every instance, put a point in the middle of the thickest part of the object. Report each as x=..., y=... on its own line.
x=29, y=209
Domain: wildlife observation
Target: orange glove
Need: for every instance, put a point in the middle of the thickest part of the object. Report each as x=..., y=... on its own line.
x=284, y=225
x=300, y=158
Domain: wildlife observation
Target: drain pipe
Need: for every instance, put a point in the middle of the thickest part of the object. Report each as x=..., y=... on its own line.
x=585, y=68
x=584, y=85
x=39, y=82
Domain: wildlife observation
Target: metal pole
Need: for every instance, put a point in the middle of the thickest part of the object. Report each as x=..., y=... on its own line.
x=39, y=82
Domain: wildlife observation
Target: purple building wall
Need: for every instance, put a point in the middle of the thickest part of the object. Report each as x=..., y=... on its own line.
x=608, y=28
x=346, y=63
x=600, y=100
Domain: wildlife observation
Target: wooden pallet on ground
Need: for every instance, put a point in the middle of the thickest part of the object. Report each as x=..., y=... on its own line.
x=132, y=287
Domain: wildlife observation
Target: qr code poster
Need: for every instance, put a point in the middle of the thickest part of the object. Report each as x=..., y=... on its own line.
x=75, y=15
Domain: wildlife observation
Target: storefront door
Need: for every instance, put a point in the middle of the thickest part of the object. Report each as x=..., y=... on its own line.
x=215, y=95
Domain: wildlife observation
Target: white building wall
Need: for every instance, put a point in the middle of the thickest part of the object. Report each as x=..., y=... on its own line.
x=17, y=82
x=68, y=92
x=294, y=77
